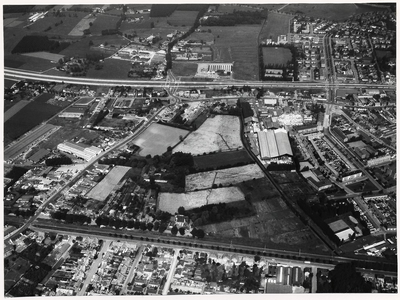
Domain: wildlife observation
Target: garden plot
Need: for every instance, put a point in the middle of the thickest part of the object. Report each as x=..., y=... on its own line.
x=221, y=133
x=205, y=180
x=170, y=202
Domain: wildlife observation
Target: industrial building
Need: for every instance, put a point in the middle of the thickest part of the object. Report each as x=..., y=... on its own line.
x=80, y=150
x=274, y=144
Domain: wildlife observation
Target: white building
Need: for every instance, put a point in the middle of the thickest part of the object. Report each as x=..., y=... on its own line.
x=80, y=150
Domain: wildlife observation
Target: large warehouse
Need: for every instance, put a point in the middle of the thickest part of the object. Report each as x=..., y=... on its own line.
x=274, y=144
x=80, y=150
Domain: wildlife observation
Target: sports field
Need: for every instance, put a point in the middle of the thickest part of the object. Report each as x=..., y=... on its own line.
x=101, y=191
x=220, y=133
x=276, y=55
x=157, y=138
x=170, y=202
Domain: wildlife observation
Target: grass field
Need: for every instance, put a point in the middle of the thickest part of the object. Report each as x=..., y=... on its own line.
x=112, y=69
x=230, y=8
x=104, y=22
x=45, y=55
x=184, y=68
x=334, y=12
x=219, y=160
x=225, y=177
x=82, y=25
x=220, y=133
x=156, y=139
x=170, y=202
x=237, y=44
x=277, y=24
x=28, y=117
x=182, y=18
x=277, y=55
x=68, y=23
x=14, y=109
x=28, y=63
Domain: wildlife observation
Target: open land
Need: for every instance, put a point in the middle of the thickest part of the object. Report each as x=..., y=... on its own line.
x=45, y=55
x=237, y=44
x=277, y=24
x=68, y=23
x=277, y=55
x=205, y=180
x=157, y=138
x=218, y=160
x=104, y=22
x=182, y=18
x=112, y=69
x=220, y=133
x=28, y=63
x=101, y=191
x=82, y=25
x=334, y=12
x=170, y=202
x=14, y=109
x=28, y=117
x=230, y=8
x=184, y=68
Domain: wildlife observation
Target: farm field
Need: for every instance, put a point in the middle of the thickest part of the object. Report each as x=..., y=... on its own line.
x=28, y=63
x=104, y=22
x=83, y=24
x=224, y=177
x=170, y=202
x=331, y=11
x=242, y=49
x=184, y=68
x=101, y=191
x=157, y=138
x=220, y=133
x=219, y=160
x=68, y=23
x=277, y=24
x=182, y=18
x=14, y=109
x=230, y=8
x=28, y=117
x=45, y=55
x=276, y=55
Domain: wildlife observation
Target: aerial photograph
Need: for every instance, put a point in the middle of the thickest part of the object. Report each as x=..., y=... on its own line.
x=199, y=149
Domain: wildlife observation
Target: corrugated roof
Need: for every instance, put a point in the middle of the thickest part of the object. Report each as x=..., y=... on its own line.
x=272, y=144
x=283, y=143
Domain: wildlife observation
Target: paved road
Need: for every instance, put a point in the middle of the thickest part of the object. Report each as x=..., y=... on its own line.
x=171, y=272
x=93, y=268
x=132, y=271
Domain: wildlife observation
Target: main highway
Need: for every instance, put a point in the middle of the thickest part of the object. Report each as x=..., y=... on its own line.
x=15, y=74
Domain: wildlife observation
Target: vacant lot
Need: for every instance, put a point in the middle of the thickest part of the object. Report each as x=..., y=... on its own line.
x=276, y=55
x=224, y=177
x=334, y=12
x=277, y=24
x=184, y=68
x=157, y=138
x=170, y=202
x=101, y=191
x=220, y=133
x=237, y=44
x=224, y=159
x=28, y=117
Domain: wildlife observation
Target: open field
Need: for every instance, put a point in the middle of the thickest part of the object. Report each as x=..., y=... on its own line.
x=68, y=23
x=101, y=191
x=242, y=49
x=230, y=8
x=170, y=202
x=220, y=133
x=184, y=68
x=277, y=24
x=82, y=25
x=277, y=55
x=182, y=18
x=14, y=109
x=45, y=55
x=157, y=138
x=28, y=117
x=104, y=22
x=331, y=11
x=225, y=177
x=28, y=63
x=112, y=69
x=219, y=160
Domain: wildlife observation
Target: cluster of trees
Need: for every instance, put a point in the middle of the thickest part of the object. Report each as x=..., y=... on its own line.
x=101, y=115
x=247, y=111
x=162, y=10
x=236, y=18
x=36, y=43
x=111, y=32
x=70, y=218
x=215, y=213
x=57, y=161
